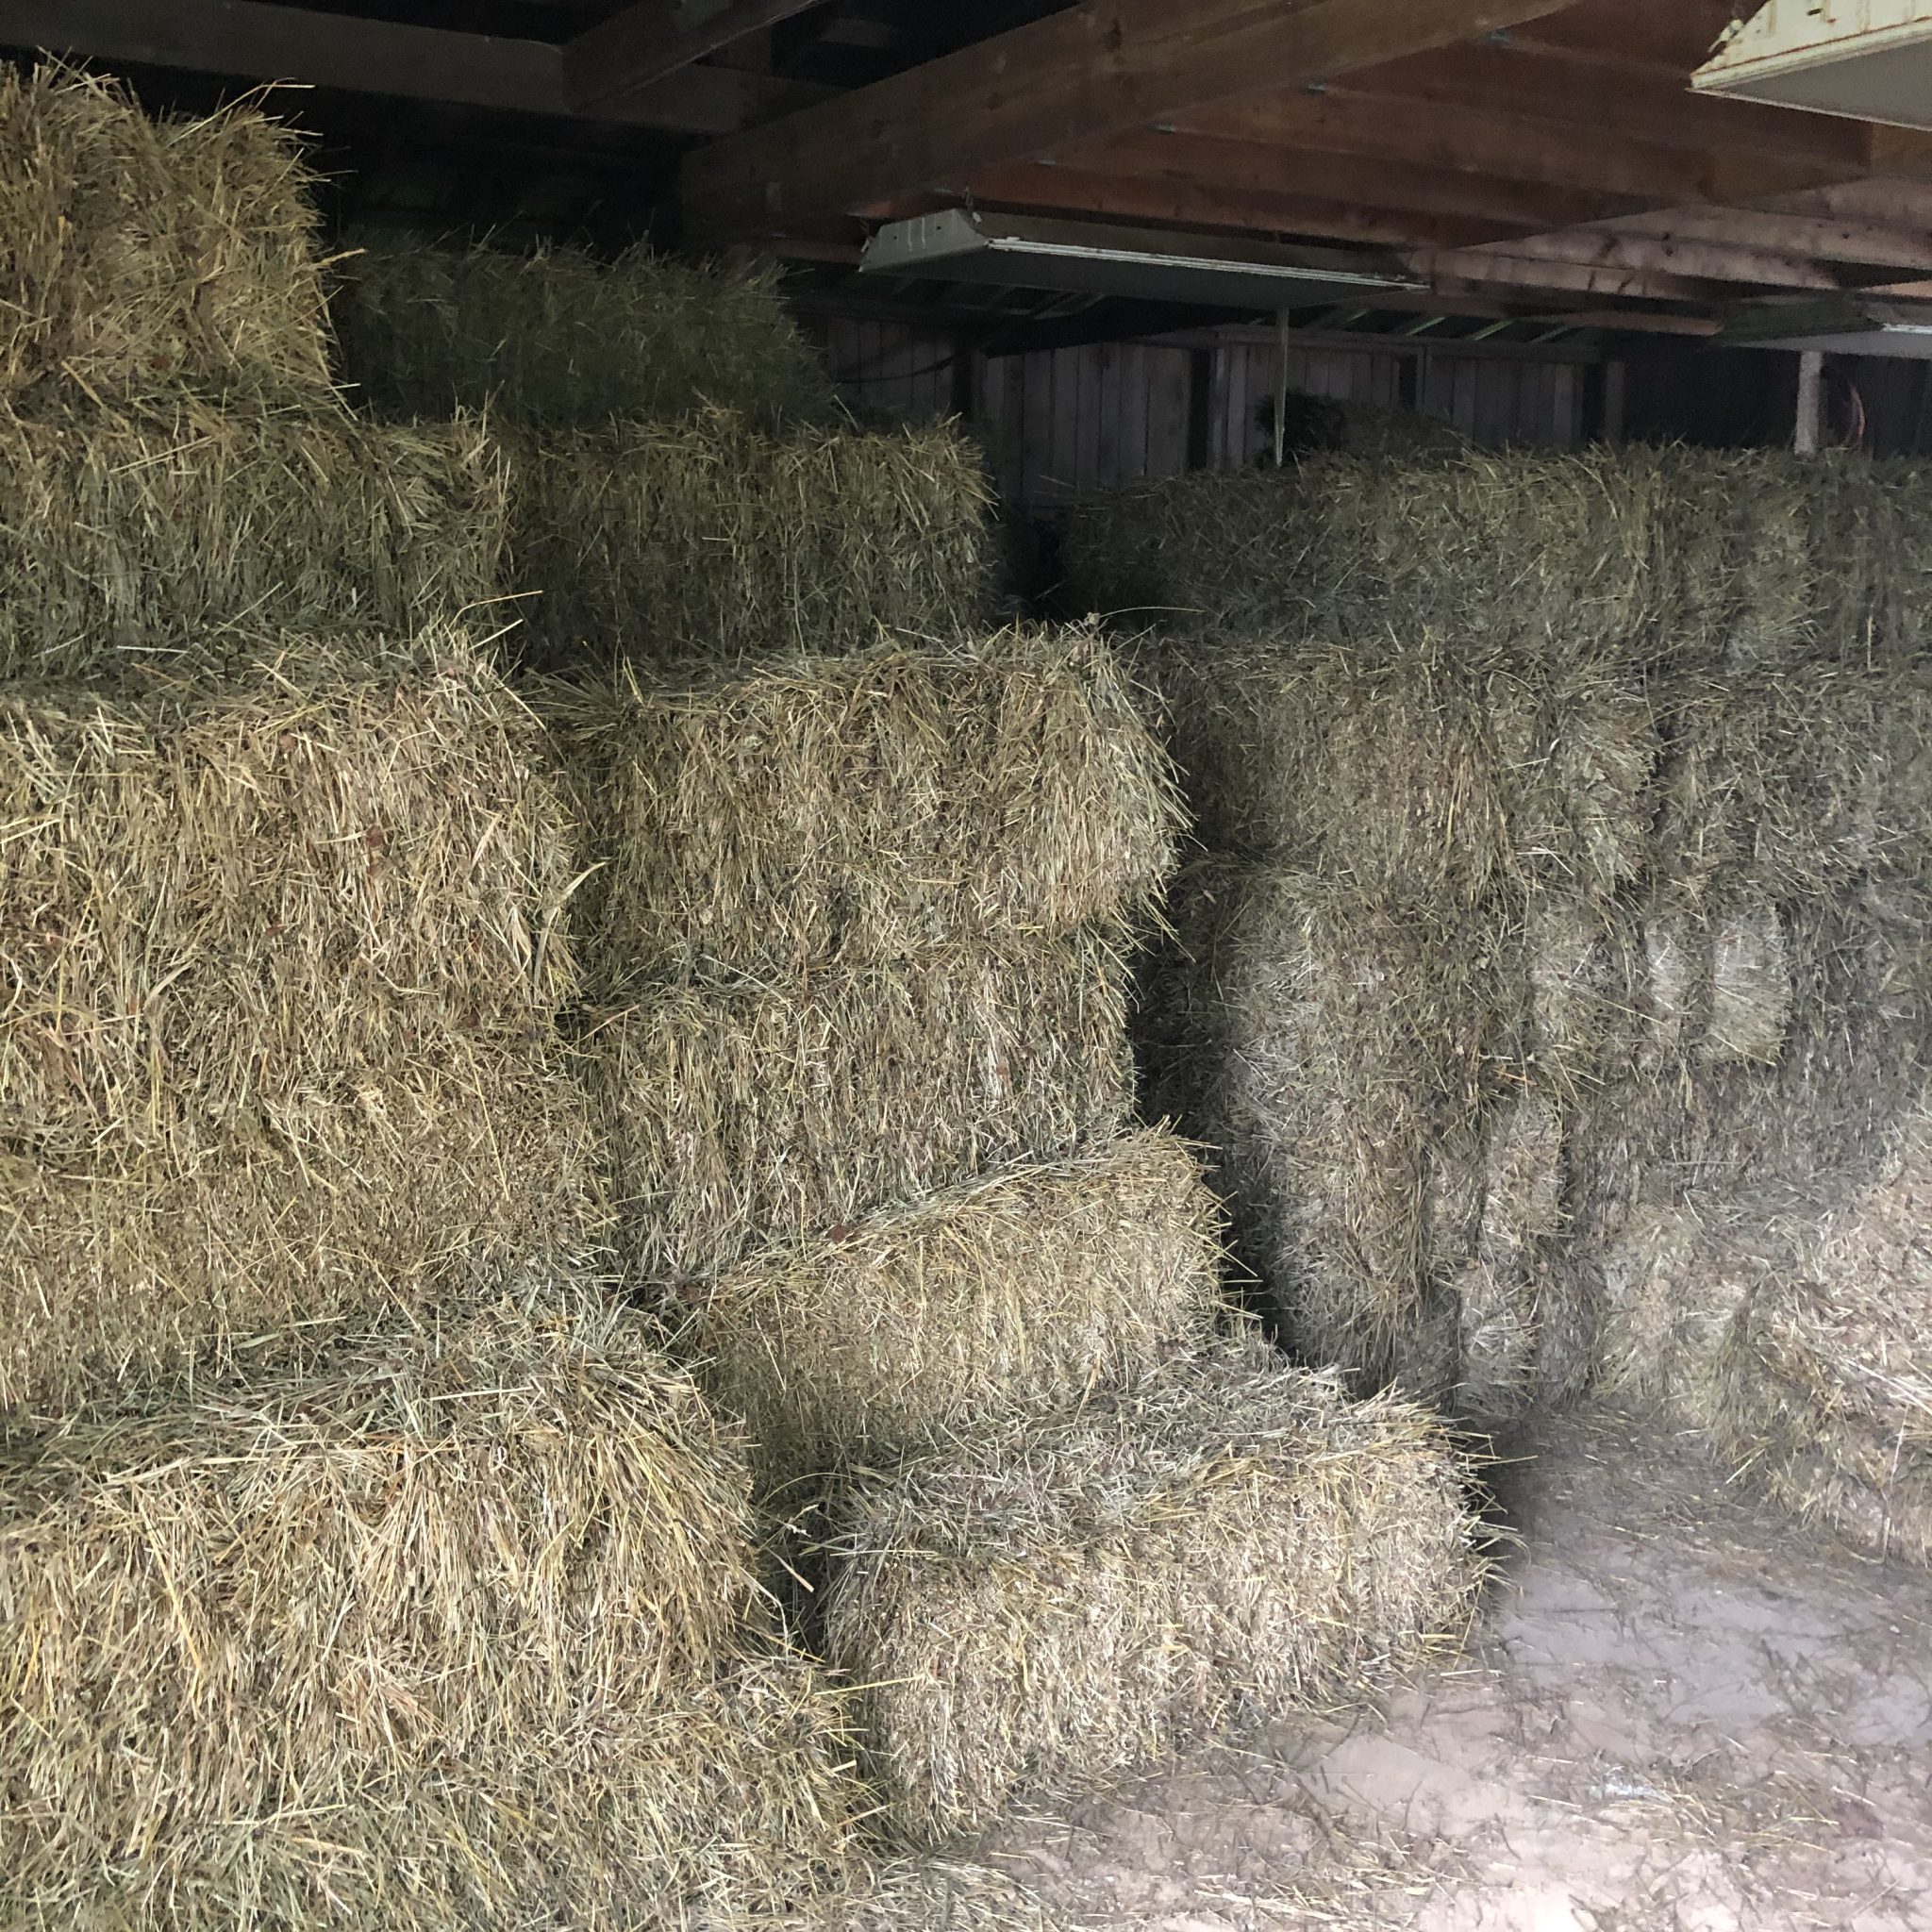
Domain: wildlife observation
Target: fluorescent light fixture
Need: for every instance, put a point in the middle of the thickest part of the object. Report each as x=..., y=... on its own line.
x=1151, y=264
x=1841, y=326
x=1865, y=59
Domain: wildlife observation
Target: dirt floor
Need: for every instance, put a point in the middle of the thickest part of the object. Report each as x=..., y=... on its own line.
x=1679, y=1712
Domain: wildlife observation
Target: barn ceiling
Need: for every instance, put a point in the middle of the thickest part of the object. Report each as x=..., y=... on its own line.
x=1523, y=158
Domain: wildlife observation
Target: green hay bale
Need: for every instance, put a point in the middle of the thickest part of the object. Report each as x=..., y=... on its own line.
x=1025, y=1290
x=1668, y=556
x=557, y=340
x=186, y=535
x=848, y=810
x=1327, y=1043
x=1047, y=1604
x=443, y=1634
x=661, y=543
x=744, y=1112
x=139, y=257
x=1414, y=769
x=282, y=968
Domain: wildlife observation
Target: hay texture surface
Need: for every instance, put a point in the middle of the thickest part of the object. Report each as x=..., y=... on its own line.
x=280, y=963
x=139, y=257
x=1673, y=556
x=747, y=1111
x=559, y=339
x=183, y=534
x=664, y=544
x=1025, y=1290
x=846, y=810
x=445, y=1634
x=1045, y=1604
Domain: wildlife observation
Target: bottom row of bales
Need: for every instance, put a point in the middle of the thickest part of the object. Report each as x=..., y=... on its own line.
x=425, y=1575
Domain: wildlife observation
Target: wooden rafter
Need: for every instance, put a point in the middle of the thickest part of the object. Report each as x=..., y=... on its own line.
x=613, y=62
x=1092, y=71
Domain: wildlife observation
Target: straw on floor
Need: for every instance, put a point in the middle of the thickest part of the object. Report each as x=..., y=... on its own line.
x=1051, y=1602
x=449, y=1632
x=1026, y=1290
x=556, y=339
x=840, y=811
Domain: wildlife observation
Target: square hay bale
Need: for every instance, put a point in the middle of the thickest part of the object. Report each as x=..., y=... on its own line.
x=745, y=1112
x=1327, y=1042
x=1665, y=557
x=846, y=810
x=559, y=339
x=1044, y=1604
x=282, y=963
x=668, y=543
x=1429, y=766
x=225, y=897
x=173, y=536
x=367, y=1198
x=139, y=257
x=1024, y=1290
x=442, y=1634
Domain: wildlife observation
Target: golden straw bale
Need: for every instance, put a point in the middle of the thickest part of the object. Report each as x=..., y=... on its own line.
x=140, y=257
x=856, y=809
x=747, y=1112
x=1043, y=1604
x=443, y=1633
x=1025, y=1289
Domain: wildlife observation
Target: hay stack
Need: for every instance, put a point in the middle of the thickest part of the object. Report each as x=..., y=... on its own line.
x=283, y=964
x=186, y=533
x=1049, y=1603
x=140, y=258
x=1027, y=1289
x=557, y=340
x=661, y=543
x=845, y=812
x=1670, y=557
x=749, y=1112
x=332, y=1646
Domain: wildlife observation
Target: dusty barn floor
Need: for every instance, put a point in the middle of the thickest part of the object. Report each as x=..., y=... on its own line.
x=1678, y=1712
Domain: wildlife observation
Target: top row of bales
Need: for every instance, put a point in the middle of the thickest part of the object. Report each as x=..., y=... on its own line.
x=207, y=430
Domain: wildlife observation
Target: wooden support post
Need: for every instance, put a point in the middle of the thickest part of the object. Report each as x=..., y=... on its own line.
x=1810, y=401
x=1616, y=398
x=1283, y=329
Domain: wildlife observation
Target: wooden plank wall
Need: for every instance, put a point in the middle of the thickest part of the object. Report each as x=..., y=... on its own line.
x=1057, y=424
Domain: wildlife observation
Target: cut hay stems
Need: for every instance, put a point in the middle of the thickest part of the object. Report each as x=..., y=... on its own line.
x=844, y=810
x=145, y=258
x=664, y=544
x=1024, y=1290
x=1041, y=1606
x=449, y=1633
x=557, y=340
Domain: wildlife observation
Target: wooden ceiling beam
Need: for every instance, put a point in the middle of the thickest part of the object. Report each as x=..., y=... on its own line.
x=1454, y=272
x=1590, y=97
x=1506, y=205
x=1818, y=238
x=614, y=61
x=1702, y=262
x=254, y=41
x=1089, y=72
x=1462, y=139
x=1042, y=189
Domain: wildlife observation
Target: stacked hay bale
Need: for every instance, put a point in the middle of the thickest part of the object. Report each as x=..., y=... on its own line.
x=864, y=923
x=680, y=486
x=1569, y=852
x=359, y=1561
